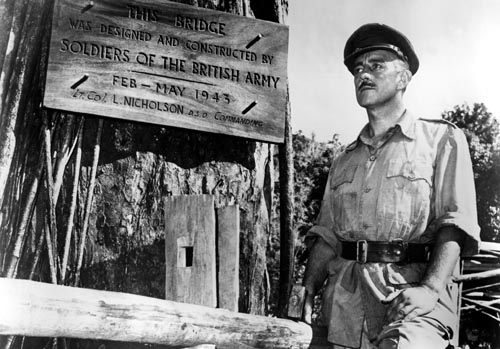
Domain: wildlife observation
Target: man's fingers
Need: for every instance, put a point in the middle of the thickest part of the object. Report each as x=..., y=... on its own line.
x=404, y=312
x=391, y=297
x=394, y=303
x=396, y=313
x=411, y=315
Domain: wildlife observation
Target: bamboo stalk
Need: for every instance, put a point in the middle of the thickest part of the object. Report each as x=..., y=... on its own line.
x=493, y=253
x=480, y=287
x=469, y=307
x=25, y=219
x=38, y=252
x=492, y=302
x=50, y=190
x=489, y=315
x=88, y=204
x=477, y=276
x=53, y=272
x=74, y=194
x=480, y=304
x=64, y=155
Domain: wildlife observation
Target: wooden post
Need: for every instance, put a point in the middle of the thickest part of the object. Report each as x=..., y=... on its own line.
x=286, y=215
x=44, y=310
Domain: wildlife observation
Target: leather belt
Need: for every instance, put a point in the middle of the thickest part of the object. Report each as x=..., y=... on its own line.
x=364, y=251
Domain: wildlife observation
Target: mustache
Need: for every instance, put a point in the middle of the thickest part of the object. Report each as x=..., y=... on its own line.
x=365, y=83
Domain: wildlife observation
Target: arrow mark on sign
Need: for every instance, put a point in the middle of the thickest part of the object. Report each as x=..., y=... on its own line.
x=254, y=41
x=79, y=82
x=88, y=7
x=247, y=109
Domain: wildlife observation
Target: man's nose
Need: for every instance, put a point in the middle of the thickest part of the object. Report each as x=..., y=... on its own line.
x=362, y=68
x=363, y=73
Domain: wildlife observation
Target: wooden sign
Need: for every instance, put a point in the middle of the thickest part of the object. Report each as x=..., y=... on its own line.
x=172, y=64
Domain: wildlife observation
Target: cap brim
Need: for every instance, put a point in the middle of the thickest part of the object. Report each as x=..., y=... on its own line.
x=349, y=60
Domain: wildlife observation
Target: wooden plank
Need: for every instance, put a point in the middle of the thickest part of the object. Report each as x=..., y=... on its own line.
x=168, y=63
x=228, y=247
x=190, y=249
x=43, y=310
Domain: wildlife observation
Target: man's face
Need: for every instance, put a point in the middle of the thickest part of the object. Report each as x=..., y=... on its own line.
x=377, y=78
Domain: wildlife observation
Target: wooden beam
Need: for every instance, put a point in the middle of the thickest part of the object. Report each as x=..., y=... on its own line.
x=44, y=310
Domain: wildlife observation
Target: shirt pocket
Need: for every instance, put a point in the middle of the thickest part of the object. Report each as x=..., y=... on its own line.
x=344, y=199
x=406, y=191
x=409, y=173
x=345, y=176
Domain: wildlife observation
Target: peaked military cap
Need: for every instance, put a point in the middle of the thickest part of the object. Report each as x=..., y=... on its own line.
x=375, y=36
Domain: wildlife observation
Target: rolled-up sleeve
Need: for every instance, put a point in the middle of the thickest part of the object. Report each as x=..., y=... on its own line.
x=325, y=221
x=455, y=195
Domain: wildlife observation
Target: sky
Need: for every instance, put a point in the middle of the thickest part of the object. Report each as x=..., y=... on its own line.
x=457, y=42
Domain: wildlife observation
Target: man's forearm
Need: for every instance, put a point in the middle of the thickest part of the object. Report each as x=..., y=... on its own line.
x=317, y=266
x=444, y=258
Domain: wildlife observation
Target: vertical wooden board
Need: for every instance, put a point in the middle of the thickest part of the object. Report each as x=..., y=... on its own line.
x=190, y=250
x=228, y=245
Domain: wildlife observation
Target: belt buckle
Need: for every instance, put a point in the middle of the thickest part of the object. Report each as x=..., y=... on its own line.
x=403, y=251
x=361, y=251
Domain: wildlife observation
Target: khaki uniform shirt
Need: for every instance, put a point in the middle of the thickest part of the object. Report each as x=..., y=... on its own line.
x=413, y=182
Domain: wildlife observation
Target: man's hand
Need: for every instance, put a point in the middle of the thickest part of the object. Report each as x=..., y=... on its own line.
x=415, y=301
x=411, y=302
x=316, y=272
x=308, y=308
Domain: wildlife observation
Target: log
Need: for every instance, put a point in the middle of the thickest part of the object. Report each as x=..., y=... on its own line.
x=44, y=310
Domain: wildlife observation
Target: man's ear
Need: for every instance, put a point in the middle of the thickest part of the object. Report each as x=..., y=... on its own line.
x=404, y=79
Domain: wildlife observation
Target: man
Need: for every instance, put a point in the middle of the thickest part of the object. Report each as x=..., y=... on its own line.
x=398, y=210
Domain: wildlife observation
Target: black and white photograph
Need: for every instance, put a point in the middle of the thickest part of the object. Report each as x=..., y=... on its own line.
x=219, y=174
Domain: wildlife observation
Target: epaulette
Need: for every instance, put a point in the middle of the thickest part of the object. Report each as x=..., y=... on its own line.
x=351, y=146
x=440, y=121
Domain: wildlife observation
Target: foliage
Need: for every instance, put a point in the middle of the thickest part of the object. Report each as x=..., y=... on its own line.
x=483, y=134
x=312, y=161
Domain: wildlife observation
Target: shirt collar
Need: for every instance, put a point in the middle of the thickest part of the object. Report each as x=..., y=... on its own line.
x=406, y=125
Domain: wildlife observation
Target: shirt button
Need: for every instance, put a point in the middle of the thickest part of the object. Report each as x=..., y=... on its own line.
x=372, y=158
x=367, y=190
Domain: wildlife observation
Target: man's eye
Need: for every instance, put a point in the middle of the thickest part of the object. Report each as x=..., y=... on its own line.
x=357, y=70
x=377, y=66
